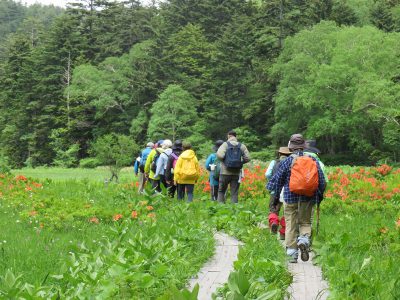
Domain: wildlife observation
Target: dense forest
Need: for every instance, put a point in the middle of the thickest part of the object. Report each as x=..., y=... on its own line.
x=193, y=69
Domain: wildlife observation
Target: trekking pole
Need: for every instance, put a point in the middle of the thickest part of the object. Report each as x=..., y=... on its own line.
x=317, y=218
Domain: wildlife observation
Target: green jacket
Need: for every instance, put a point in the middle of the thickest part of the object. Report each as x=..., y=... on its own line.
x=149, y=160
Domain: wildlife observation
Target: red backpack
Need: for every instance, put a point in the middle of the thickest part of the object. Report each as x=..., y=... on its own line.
x=304, y=176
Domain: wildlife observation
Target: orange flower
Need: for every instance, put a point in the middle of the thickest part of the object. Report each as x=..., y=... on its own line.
x=151, y=215
x=41, y=225
x=20, y=178
x=384, y=230
x=134, y=214
x=37, y=185
x=149, y=207
x=33, y=213
x=117, y=217
x=28, y=188
x=94, y=220
x=398, y=223
x=142, y=203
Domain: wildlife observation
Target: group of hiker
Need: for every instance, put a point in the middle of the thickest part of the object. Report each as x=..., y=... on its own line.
x=296, y=181
x=176, y=167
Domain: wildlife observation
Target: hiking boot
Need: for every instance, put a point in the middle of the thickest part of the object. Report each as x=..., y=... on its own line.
x=282, y=237
x=305, y=256
x=292, y=259
x=274, y=228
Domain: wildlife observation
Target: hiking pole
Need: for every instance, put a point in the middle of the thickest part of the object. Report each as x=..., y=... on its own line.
x=317, y=219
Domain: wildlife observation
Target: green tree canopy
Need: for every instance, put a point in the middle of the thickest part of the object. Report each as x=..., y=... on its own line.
x=173, y=114
x=340, y=89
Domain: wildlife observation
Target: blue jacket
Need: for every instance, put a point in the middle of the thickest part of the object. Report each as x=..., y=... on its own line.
x=211, y=160
x=143, y=156
x=136, y=165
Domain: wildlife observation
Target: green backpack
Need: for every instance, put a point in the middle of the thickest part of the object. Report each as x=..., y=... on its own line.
x=217, y=169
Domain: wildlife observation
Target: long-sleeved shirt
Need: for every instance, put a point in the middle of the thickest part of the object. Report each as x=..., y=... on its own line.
x=149, y=160
x=162, y=162
x=211, y=160
x=282, y=177
x=136, y=165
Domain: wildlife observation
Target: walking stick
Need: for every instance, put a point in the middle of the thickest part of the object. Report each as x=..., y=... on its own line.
x=317, y=218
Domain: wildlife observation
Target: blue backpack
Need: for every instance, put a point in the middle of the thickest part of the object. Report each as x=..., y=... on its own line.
x=233, y=156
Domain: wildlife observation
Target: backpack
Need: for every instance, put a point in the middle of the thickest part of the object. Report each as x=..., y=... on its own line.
x=276, y=166
x=217, y=169
x=304, y=176
x=153, y=166
x=143, y=159
x=189, y=170
x=175, y=159
x=233, y=156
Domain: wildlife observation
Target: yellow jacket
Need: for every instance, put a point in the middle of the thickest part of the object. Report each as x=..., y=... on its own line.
x=149, y=160
x=184, y=161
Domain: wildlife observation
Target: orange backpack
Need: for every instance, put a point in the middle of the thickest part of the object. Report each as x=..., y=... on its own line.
x=304, y=176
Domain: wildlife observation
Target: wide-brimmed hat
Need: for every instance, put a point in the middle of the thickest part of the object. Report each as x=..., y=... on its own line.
x=217, y=144
x=311, y=146
x=284, y=150
x=296, y=142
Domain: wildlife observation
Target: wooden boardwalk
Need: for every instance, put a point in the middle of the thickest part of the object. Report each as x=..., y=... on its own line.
x=216, y=271
x=308, y=283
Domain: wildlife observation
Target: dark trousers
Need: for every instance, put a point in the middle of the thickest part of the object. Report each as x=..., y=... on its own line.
x=189, y=188
x=171, y=190
x=214, y=192
x=233, y=182
x=163, y=181
x=272, y=207
x=155, y=185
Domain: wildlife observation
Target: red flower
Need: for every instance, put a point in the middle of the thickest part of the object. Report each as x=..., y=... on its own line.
x=149, y=207
x=134, y=214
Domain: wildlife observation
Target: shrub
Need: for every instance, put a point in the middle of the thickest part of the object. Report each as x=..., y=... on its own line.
x=89, y=163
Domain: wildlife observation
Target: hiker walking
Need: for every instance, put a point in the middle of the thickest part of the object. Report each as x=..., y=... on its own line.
x=304, y=185
x=151, y=166
x=186, y=172
x=232, y=155
x=169, y=171
x=142, y=162
x=213, y=166
x=162, y=162
x=274, y=208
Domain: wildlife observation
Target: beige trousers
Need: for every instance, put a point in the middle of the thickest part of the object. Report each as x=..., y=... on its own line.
x=298, y=221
